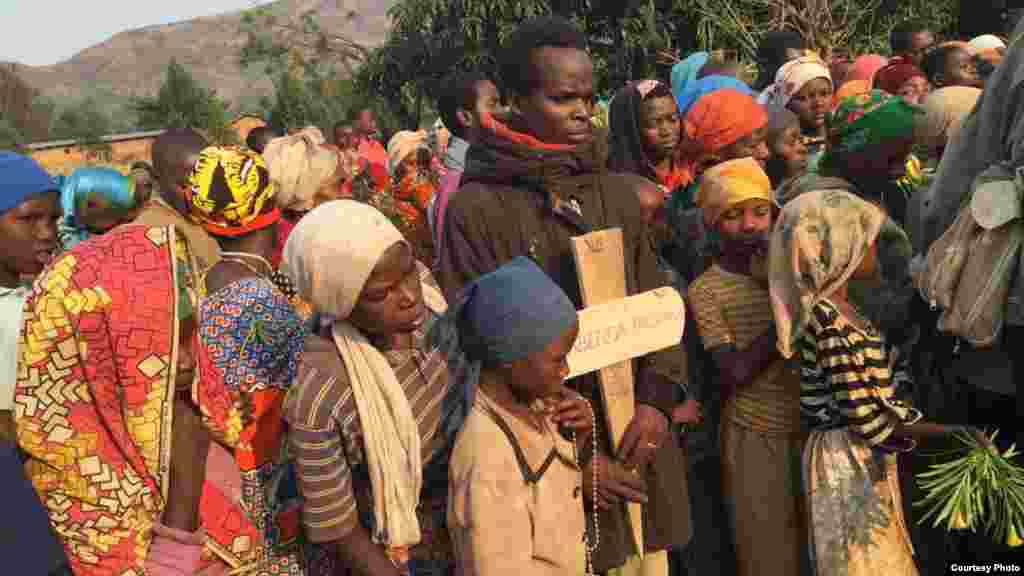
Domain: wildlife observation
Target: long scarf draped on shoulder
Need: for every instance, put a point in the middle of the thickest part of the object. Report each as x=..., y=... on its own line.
x=95, y=392
x=330, y=255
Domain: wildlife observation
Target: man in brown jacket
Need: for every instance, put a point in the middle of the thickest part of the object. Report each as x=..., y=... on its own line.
x=528, y=188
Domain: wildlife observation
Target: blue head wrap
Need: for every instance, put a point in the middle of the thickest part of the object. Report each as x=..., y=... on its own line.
x=21, y=178
x=512, y=313
x=706, y=85
x=685, y=73
x=105, y=188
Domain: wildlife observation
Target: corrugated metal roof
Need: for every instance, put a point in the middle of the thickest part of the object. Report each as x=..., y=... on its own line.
x=111, y=138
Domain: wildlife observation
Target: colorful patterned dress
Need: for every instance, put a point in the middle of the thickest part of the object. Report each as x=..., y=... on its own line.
x=95, y=391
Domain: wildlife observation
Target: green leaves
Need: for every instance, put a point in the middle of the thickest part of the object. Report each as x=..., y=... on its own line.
x=982, y=489
x=184, y=103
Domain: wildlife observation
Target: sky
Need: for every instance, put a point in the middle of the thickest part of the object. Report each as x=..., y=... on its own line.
x=42, y=32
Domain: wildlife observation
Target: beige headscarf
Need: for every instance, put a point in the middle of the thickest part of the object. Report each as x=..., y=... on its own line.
x=820, y=240
x=944, y=111
x=404, y=143
x=330, y=255
x=300, y=165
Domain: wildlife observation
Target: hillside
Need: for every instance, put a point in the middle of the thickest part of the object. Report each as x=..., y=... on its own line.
x=133, y=62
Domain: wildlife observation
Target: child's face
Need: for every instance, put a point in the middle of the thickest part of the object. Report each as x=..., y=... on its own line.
x=28, y=235
x=961, y=70
x=755, y=146
x=745, y=225
x=543, y=374
x=659, y=121
x=812, y=103
x=790, y=148
x=915, y=90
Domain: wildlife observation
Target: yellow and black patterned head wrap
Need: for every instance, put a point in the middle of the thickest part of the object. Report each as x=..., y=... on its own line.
x=230, y=193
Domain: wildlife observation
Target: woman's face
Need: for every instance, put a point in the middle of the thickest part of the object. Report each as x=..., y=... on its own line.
x=745, y=225
x=789, y=147
x=812, y=103
x=391, y=301
x=754, y=145
x=542, y=375
x=915, y=90
x=559, y=108
x=659, y=122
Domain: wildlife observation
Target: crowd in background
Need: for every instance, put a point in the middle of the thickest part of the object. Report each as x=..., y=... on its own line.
x=326, y=355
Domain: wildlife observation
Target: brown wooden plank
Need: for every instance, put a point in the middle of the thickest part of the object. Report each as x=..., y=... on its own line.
x=601, y=269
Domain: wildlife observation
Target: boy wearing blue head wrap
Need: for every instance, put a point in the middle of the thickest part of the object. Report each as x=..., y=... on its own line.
x=28, y=238
x=29, y=210
x=515, y=486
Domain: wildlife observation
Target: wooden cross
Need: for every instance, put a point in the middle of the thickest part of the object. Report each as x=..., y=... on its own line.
x=615, y=329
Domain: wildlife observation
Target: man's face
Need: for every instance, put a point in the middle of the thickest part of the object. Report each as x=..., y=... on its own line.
x=28, y=235
x=559, y=108
x=487, y=100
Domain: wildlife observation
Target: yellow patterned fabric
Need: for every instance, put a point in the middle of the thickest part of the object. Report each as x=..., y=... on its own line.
x=230, y=193
x=95, y=391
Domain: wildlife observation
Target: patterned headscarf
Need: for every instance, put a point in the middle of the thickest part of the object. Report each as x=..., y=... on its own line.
x=820, y=240
x=866, y=120
x=251, y=341
x=230, y=193
x=92, y=189
x=102, y=323
x=730, y=183
x=792, y=77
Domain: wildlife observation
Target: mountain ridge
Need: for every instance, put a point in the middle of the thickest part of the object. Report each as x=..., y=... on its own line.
x=132, y=62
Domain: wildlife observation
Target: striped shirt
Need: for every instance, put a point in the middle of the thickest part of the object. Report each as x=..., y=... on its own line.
x=733, y=309
x=326, y=436
x=846, y=380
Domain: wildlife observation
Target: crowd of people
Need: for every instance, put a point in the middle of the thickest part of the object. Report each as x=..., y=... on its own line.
x=344, y=358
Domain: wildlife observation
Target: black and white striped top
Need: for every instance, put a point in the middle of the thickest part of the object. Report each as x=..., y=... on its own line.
x=846, y=381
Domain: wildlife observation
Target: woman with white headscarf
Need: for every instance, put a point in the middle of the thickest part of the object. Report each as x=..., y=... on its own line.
x=804, y=86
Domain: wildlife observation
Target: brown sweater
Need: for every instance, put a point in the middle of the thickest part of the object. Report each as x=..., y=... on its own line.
x=520, y=202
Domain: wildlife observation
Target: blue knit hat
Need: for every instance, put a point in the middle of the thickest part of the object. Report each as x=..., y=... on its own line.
x=21, y=178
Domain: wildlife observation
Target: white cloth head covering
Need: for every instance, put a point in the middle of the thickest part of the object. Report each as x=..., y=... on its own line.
x=986, y=42
x=329, y=256
x=792, y=77
x=300, y=165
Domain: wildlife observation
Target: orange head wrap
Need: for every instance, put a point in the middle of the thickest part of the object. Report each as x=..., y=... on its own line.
x=719, y=119
x=731, y=183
